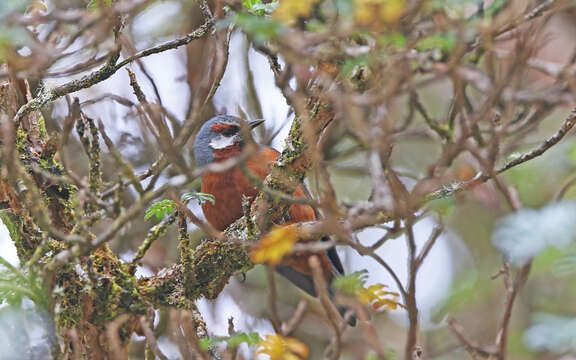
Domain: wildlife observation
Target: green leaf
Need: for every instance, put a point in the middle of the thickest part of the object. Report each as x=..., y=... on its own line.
x=394, y=39
x=450, y=5
x=16, y=284
x=160, y=209
x=351, y=284
x=250, y=339
x=248, y=4
x=350, y=66
x=494, y=8
x=205, y=344
x=572, y=154
x=9, y=220
x=260, y=28
x=201, y=198
x=526, y=233
x=233, y=341
x=444, y=42
x=467, y=290
x=95, y=4
x=259, y=8
x=443, y=206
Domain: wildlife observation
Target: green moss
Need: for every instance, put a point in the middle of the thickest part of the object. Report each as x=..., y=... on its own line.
x=16, y=231
x=213, y=263
x=95, y=175
x=41, y=124
x=68, y=293
x=115, y=289
x=165, y=290
x=96, y=293
x=21, y=140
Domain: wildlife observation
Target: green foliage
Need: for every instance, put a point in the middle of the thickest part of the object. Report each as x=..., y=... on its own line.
x=531, y=180
x=9, y=220
x=16, y=285
x=201, y=198
x=526, y=233
x=390, y=354
x=571, y=153
x=206, y=344
x=95, y=4
x=394, y=39
x=160, y=209
x=257, y=7
x=350, y=66
x=233, y=341
x=443, y=206
x=11, y=37
x=351, y=284
x=443, y=42
x=467, y=289
x=495, y=8
x=345, y=8
x=456, y=7
x=250, y=339
x=260, y=28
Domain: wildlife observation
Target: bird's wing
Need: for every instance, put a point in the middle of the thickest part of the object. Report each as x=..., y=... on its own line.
x=300, y=213
x=295, y=268
x=334, y=258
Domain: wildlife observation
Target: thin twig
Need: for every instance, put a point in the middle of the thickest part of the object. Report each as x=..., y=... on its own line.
x=289, y=326
x=150, y=338
x=331, y=312
x=272, y=301
x=474, y=351
x=452, y=189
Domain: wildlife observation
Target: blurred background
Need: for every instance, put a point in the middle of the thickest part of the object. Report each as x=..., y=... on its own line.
x=456, y=279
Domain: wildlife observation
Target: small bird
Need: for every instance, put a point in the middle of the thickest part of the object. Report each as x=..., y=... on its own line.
x=220, y=139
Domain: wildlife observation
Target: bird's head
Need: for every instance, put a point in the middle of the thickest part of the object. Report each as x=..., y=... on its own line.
x=220, y=138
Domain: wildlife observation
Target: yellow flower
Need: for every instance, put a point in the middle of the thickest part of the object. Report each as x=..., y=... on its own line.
x=375, y=13
x=288, y=11
x=282, y=348
x=377, y=298
x=275, y=245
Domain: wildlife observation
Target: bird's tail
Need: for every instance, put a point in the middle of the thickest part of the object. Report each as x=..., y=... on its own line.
x=306, y=283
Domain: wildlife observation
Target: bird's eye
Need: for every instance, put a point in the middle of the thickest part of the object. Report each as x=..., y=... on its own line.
x=230, y=131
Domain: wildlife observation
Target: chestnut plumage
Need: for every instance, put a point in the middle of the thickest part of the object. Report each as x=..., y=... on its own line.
x=220, y=138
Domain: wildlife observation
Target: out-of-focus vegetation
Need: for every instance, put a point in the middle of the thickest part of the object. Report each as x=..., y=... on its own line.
x=458, y=114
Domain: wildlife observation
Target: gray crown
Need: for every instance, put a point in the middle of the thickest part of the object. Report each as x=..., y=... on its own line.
x=202, y=150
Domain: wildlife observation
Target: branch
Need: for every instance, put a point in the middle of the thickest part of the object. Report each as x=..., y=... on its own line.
x=455, y=188
x=106, y=71
x=331, y=311
x=204, y=29
x=474, y=351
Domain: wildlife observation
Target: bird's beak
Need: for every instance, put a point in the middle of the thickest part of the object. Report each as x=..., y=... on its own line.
x=253, y=123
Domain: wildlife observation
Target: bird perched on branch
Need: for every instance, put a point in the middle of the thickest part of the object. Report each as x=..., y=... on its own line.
x=219, y=139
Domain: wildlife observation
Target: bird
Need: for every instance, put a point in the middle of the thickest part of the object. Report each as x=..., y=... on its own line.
x=221, y=138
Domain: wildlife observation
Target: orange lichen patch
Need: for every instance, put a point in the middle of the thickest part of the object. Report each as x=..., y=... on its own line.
x=220, y=128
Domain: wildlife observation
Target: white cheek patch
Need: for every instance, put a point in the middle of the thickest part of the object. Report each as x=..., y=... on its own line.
x=221, y=141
